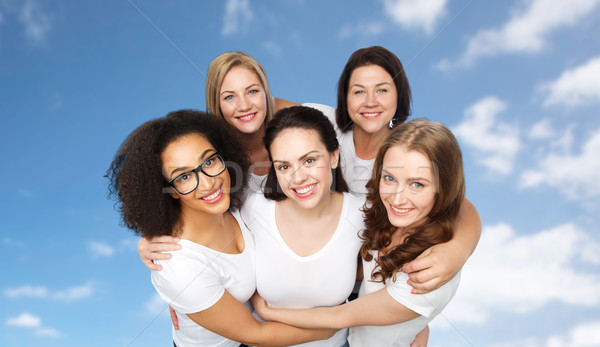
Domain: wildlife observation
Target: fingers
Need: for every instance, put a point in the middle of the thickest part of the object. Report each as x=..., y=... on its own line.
x=426, y=280
x=152, y=266
x=174, y=318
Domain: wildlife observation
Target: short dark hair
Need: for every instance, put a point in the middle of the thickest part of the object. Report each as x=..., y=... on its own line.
x=380, y=56
x=301, y=117
x=136, y=179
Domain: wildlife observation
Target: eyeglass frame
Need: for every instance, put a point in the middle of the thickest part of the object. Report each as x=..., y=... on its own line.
x=216, y=155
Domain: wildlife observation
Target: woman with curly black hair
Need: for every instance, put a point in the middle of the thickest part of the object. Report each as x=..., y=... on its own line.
x=183, y=175
x=415, y=195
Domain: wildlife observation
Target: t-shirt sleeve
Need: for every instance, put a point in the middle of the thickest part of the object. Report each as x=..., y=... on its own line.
x=188, y=287
x=428, y=305
x=328, y=111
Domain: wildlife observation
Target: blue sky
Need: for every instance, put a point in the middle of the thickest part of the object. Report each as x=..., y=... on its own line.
x=518, y=81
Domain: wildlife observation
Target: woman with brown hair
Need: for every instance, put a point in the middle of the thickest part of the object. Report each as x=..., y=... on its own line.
x=184, y=175
x=416, y=191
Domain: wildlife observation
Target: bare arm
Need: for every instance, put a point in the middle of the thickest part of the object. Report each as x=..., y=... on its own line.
x=153, y=249
x=377, y=308
x=440, y=263
x=229, y=318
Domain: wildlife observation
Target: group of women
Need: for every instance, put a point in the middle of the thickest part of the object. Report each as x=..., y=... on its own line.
x=336, y=195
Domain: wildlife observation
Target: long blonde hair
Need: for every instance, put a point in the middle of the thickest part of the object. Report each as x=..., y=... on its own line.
x=217, y=70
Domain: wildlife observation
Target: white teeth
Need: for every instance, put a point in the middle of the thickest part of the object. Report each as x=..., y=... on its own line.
x=246, y=117
x=400, y=210
x=212, y=196
x=370, y=114
x=305, y=190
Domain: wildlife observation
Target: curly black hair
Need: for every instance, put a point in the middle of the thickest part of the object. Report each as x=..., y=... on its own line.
x=136, y=179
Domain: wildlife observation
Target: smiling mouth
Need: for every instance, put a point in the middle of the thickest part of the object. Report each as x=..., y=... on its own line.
x=213, y=196
x=369, y=115
x=305, y=191
x=400, y=211
x=247, y=117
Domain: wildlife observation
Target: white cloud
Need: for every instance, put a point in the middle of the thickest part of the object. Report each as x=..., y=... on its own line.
x=419, y=15
x=26, y=291
x=575, y=87
x=526, y=31
x=582, y=335
x=35, y=22
x=574, y=174
x=237, y=15
x=48, y=332
x=521, y=273
x=100, y=249
x=494, y=142
x=542, y=130
x=24, y=320
x=74, y=293
x=69, y=294
x=361, y=30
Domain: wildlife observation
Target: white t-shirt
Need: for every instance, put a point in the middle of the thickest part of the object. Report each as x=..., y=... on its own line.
x=427, y=305
x=285, y=279
x=196, y=277
x=357, y=171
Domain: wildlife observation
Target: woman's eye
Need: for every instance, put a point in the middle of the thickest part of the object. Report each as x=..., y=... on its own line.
x=209, y=162
x=282, y=167
x=253, y=91
x=388, y=178
x=381, y=91
x=228, y=97
x=309, y=161
x=417, y=186
x=358, y=92
x=184, y=177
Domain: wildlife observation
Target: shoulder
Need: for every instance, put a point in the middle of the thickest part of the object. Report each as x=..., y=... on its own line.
x=328, y=111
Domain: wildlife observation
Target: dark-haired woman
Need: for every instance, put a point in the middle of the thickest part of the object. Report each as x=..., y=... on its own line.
x=415, y=197
x=373, y=96
x=183, y=175
x=305, y=224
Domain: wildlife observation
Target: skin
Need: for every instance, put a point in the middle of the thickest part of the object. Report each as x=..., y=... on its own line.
x=402, y=169
x=242, y=100
x=434, y=267
x=372, y=100
x=407, y=187
x=206, y=221
x=309, y=216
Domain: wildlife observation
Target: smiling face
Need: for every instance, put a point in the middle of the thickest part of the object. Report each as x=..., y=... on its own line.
x=185, y=154
x=372, y=99
x=303, y=166
x=407, y=186
x=242, y=100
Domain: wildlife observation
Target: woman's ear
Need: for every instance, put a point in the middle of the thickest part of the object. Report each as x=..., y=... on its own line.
x=335, y=158
x=171, y=191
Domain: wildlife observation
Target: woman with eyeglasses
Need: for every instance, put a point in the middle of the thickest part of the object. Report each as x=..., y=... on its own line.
x=373, y=96
x=183, y=175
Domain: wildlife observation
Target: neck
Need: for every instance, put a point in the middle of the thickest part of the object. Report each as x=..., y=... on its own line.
x=324, y=208
x=199, y=227
x=366, y=145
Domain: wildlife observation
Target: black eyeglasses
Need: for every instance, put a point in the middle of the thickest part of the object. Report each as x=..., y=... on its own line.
x=186, y=182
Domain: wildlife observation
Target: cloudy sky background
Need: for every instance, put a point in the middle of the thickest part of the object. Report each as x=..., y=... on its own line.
x=518, y=82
